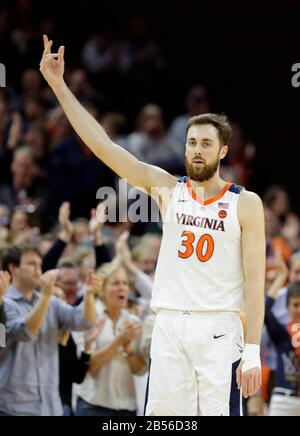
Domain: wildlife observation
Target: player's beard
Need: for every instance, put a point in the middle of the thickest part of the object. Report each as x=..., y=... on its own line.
x=203, y=174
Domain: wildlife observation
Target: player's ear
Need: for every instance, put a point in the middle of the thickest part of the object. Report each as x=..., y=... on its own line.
x=224, y=151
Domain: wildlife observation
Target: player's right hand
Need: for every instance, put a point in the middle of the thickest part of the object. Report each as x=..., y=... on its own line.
x=52, y=65
x=249, y=382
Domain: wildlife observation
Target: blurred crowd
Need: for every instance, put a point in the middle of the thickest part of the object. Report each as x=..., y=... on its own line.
x=52, y=237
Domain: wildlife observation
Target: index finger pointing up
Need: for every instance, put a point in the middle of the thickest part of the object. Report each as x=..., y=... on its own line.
x=47, y=45
x=46, y=41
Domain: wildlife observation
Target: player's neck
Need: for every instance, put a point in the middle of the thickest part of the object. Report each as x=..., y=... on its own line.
x=211, y=187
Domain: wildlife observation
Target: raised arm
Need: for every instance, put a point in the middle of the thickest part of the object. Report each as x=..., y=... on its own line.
x=51, y=258
x=251, y=218
x=281, y=277
x=93, y=135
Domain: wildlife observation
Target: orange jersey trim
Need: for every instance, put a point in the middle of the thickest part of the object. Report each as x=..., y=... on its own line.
x=210, y=200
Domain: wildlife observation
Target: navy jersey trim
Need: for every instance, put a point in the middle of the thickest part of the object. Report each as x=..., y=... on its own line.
x=147, y=390
x=236, y=189
x=235, y=395
x=183, y=179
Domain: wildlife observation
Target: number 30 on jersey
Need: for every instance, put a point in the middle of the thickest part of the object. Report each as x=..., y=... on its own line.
x=204, y=247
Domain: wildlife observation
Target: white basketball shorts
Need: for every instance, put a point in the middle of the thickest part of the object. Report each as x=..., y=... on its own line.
x=194, y=358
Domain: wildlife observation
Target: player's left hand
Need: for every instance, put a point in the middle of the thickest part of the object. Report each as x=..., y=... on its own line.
x=249, y=381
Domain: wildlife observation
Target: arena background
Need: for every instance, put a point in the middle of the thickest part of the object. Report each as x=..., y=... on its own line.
x=243, y=53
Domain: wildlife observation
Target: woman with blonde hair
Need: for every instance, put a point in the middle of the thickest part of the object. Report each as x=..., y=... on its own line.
x=108, y=389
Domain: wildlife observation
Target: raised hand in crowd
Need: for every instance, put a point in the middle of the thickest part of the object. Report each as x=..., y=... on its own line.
x=48, y=282
x=123, y=254
x=96, y=224
x=282, y=274
x=66, y=226
x=37, y=316
x=94, y=287
x=94, y=283
x=15, y=131
x=130, y=332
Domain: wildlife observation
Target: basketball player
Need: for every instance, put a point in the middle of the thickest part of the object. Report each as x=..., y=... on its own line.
x=211, y=266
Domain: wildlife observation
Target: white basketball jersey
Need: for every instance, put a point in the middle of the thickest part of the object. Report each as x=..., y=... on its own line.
x=200, y=263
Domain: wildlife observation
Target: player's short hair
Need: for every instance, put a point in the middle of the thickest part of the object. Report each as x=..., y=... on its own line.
x=13, y=255
x=220, y=122
x=293, y=292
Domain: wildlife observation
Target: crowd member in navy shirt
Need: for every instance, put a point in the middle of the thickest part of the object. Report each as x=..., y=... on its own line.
x=286, y=395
